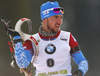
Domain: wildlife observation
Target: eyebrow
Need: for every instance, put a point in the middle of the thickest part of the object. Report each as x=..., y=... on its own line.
x=58, y=16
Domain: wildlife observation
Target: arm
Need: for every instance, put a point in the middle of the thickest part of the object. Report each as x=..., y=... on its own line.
x=78, y=57
x=23, y=52
x=15, y=38
x=23, y=55
x=80, y=61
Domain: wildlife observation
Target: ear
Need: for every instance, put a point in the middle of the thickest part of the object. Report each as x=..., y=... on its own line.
x=44, y=20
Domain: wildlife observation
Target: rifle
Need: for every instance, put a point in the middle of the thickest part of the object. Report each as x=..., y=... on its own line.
x=26, y=71
x=10, y=43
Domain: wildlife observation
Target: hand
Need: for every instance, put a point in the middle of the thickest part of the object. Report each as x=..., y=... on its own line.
x=26, y=71
x=11, y=31
x=77, y=73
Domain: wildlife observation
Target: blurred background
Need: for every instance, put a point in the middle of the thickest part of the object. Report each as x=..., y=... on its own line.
x=81, y=18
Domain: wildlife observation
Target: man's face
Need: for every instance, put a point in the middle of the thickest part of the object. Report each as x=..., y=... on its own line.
x=53, y=23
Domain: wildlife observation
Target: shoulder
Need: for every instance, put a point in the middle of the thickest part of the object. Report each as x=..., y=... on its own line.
x=27, y=44
x=36, y=37
x=65, y=33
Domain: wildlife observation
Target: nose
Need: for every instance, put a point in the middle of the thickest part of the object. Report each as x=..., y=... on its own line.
x=59, y=21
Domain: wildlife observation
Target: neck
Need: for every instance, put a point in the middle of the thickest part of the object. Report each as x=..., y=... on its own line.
x=44, y=33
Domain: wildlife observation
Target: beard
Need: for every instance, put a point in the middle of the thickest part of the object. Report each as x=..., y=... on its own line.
x=50, y=28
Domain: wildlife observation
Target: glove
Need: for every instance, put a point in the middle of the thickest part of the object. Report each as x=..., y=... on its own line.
x=12, y=32
x=23, y=57
x=77, y=73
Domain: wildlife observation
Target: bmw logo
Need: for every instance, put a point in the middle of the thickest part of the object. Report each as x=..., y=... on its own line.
x=50, y=49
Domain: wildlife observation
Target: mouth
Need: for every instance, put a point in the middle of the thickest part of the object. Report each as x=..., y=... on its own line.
x=57, y=26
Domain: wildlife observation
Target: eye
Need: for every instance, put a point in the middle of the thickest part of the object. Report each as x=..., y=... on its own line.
x=56, y=17
x=61, y=17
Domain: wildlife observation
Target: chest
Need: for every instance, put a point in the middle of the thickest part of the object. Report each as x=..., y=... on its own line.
x=58, y=48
